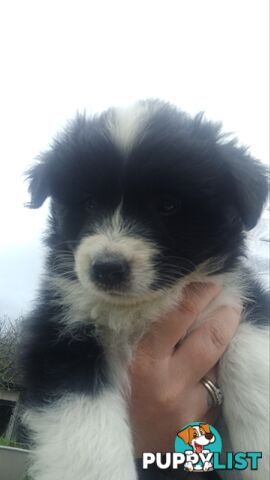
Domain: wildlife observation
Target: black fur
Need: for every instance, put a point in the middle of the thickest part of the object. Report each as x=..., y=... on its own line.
x=257, y=305
x=218, y=191
x=56, y=362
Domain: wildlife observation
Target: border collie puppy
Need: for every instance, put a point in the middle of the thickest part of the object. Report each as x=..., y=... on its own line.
x=144, y=200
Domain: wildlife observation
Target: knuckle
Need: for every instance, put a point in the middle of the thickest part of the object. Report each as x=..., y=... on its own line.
x=146, y=367
x=236, y=311
x=217, y=336
x=141, y=366
x=190, y=308
x=166, y=401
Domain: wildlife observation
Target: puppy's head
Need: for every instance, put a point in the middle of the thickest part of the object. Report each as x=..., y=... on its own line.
x=197, y=436
x=143, y=197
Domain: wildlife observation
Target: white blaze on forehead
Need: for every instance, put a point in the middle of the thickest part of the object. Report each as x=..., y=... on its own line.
x=114, y=225
x=127, y=124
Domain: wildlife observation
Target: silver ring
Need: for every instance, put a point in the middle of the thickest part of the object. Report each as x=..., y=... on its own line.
x=214, y=391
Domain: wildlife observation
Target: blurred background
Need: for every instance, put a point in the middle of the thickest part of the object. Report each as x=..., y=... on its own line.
x=58, y=57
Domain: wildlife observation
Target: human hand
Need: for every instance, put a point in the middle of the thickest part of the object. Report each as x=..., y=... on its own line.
x=169, y=364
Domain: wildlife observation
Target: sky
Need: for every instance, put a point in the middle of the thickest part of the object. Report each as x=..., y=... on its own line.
x=59, y=57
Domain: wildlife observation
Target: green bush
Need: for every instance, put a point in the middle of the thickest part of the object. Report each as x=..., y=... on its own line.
x=9, y=443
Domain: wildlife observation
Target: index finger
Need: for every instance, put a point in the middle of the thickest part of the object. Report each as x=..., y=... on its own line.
x=163, y=336
x=204, y=346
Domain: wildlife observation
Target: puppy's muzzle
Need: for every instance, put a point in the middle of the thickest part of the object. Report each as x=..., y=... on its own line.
x=110, y=271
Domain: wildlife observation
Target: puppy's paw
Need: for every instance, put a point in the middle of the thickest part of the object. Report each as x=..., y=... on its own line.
x=188, y=467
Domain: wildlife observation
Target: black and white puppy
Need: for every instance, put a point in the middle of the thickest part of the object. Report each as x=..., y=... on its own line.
x=144, y=200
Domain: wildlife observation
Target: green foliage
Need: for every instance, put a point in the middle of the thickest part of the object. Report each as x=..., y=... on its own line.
x=9, y=338
x=9, y=443
x=5, y=443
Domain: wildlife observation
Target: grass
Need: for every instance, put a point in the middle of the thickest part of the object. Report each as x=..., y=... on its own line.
x=10, y=443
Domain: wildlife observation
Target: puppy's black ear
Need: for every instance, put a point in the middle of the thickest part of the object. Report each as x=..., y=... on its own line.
x=39, y=188
x=249, y=183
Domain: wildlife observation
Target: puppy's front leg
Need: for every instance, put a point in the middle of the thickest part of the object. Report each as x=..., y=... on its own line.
x=81, y=437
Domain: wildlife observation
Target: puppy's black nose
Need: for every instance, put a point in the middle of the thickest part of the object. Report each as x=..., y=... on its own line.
x=110, y=272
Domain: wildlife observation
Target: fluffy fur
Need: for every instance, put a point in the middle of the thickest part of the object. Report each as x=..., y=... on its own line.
x=143, y=202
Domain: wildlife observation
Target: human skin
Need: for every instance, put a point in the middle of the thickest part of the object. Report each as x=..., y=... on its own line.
x=169, y=363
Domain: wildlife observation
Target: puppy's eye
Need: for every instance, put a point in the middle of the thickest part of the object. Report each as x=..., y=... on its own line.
x=169, y=206
x=195, y=435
